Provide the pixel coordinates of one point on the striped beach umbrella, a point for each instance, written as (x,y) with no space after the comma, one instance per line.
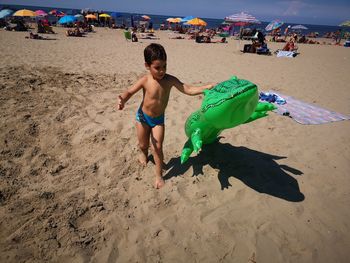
(242,19)
(274,25)
(57,13)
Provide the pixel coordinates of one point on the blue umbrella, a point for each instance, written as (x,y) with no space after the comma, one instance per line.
(274,25)
(67,20)
(187,18)
(116,14)
(5,12)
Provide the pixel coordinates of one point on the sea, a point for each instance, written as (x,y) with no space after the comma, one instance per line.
(157,20)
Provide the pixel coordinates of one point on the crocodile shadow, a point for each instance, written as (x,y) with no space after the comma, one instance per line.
(258,170)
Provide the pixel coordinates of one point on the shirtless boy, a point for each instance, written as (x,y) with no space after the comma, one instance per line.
(156,87)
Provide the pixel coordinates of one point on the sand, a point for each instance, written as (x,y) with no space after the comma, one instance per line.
(71,189)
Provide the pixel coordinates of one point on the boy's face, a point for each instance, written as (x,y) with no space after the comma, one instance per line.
(157,69)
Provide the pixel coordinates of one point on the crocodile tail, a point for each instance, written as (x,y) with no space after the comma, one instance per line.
(196,139)
(186,151)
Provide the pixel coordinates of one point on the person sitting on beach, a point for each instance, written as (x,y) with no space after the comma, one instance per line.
(133,35)
(74,33)
(156,87)
(37,36)
(34,36)
(40,27)
(290,45)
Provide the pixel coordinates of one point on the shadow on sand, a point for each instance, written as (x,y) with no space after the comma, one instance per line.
(257,170)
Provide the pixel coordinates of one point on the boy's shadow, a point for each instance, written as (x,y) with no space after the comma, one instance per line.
(256,169)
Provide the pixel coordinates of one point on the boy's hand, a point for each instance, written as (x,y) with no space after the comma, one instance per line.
(212,85)
(121,103)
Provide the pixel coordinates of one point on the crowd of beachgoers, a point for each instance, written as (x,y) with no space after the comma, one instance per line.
(90,19)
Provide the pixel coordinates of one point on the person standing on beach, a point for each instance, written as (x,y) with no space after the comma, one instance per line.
(156,87)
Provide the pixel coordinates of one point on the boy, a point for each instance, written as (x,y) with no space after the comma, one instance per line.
(156,86)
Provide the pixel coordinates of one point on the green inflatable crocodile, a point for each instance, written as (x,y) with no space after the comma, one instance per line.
(228,104)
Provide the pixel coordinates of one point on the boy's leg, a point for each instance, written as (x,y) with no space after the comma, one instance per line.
(143,135)
(157,138)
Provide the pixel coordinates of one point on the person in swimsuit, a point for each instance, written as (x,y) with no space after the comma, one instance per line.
(156,87)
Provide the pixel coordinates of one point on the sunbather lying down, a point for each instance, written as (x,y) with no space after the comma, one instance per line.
(74,33)
(148,36)
(176,37)
(36,36)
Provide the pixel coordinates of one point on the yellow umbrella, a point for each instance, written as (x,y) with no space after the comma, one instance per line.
(197,22)
(91,16)
(24,12)
(105,15)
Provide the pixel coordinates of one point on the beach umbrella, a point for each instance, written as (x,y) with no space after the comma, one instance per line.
(300,27)
(40,13)
(187,18)
(274,25)
(24,12)
(67,19)
(5,12)
(56,12)
(116,14)
(91,16)
(345,23)
(174,20)
(146,17)
(79,17)
(105,15)
(242,19)
(196,22)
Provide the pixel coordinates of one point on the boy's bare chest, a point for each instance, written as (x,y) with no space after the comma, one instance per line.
(157,92)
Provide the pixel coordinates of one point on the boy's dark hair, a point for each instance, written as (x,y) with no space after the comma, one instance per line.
(154,52)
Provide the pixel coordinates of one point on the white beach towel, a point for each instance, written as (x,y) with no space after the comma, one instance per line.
(287,54)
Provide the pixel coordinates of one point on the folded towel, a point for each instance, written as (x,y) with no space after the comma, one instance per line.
(287,54)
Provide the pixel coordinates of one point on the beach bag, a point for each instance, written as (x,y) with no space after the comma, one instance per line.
(263,50)
(247,48)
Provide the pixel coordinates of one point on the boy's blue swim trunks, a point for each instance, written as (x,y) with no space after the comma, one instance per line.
(150,121)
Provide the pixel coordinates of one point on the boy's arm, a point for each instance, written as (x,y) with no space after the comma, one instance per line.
(190,90)
(126,95)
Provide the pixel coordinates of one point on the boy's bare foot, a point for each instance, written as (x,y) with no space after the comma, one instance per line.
(159,182)
(143,159)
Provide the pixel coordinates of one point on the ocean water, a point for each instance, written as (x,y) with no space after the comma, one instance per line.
(157,20)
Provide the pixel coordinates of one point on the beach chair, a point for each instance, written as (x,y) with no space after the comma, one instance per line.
(127,35)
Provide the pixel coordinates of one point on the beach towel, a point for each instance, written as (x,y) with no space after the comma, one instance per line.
(286,54)
(305,113)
